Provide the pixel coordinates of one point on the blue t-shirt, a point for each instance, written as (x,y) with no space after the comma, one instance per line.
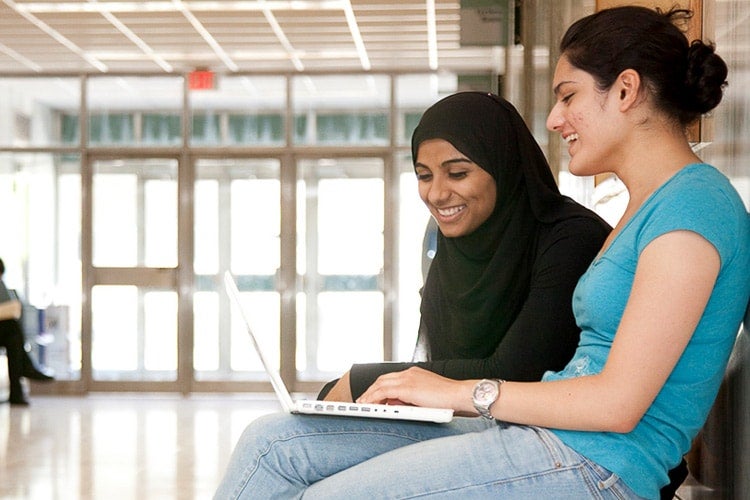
(698,198)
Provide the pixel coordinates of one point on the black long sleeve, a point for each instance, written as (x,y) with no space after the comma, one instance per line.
(544,335)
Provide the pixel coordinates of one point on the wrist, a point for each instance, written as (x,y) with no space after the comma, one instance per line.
(465,404)
(485,394)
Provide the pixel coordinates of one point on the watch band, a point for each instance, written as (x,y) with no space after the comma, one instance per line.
(500,382)
(484,408)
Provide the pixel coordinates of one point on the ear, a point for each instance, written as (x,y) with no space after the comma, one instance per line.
(627,87)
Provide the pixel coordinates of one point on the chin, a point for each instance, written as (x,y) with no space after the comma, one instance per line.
(579,170)
(451,232)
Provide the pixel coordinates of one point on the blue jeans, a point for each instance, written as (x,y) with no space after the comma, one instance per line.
(283,456)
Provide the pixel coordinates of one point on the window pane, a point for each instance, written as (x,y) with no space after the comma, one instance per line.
(255,226)
(206,130)
(134,333)
(241,110)
(237,216)
(163,129)
(115,329)
(263,313)
(414,94)
(129,111)
(237,228)
(411,120)
(350,329)
(33,111)
(206,327)
(160,331)
(342,109)
(114,128)
(366,128)
(70,131)
(340,258)
(260,129)
(207,226)
(135,213)
(41,195)
(413,261)
(350,226)
(223,348)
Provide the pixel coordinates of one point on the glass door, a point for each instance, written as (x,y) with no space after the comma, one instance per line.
(237,228)
(340,265)
(133,274)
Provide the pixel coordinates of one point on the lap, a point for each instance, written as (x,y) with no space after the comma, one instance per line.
(350,436)
(498,462)
(291,456)
(282,452)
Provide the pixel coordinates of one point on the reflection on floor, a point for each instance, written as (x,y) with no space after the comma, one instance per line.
(121,446)
(126,446)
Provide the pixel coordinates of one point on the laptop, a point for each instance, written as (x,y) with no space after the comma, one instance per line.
(314,407)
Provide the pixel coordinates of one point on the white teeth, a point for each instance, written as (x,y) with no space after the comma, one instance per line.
(571,137)
(447,212)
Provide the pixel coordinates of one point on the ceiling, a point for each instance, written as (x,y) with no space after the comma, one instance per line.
(174,36)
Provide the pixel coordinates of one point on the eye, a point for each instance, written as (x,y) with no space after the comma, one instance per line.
(567,98)
(458,175)
(424,176)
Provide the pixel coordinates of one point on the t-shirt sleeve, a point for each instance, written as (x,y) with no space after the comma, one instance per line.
(706,210)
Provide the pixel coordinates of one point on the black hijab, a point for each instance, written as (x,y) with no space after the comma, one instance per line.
(477,283)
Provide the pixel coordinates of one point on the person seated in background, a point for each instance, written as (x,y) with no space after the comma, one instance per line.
(12,338)
(659,309)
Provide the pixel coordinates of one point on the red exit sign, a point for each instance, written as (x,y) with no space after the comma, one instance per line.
(201,80)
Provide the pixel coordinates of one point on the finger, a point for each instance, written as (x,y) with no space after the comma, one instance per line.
(396,402)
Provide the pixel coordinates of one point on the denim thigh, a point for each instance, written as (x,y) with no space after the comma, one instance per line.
(503,461)
(280,455)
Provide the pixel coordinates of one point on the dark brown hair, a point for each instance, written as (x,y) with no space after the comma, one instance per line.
(685,79)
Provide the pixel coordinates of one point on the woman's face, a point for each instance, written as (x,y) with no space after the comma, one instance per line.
(458,192)
(585,117)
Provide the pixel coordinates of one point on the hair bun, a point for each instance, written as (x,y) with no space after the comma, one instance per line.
(705,79)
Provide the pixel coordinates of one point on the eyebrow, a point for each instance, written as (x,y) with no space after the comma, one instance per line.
(557,88)
(456,160)
(446,163)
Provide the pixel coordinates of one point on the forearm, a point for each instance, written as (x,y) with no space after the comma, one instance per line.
(566,404)
(573,404)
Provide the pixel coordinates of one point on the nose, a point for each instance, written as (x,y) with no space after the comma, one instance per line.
(554,119)
(439,191)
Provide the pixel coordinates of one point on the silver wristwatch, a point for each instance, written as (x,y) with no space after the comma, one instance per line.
(486,392)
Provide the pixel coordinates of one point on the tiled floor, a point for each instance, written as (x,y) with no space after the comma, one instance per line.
(120,446)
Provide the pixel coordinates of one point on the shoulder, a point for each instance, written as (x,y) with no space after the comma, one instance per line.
(699,199)
(576,230)
(700,187)
(570,244)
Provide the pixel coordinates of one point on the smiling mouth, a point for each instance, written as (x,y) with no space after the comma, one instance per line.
(449,212)
(570,138)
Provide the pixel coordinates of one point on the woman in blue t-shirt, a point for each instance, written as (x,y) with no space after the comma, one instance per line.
(659,311)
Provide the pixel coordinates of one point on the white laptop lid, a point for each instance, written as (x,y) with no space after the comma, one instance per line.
(394,412)
(285,398)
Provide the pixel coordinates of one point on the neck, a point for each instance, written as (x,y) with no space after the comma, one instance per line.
(650,161)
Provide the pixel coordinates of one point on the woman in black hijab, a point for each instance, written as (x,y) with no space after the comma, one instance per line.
(496,301)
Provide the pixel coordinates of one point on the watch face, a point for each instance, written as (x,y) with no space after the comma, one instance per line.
(485,392)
